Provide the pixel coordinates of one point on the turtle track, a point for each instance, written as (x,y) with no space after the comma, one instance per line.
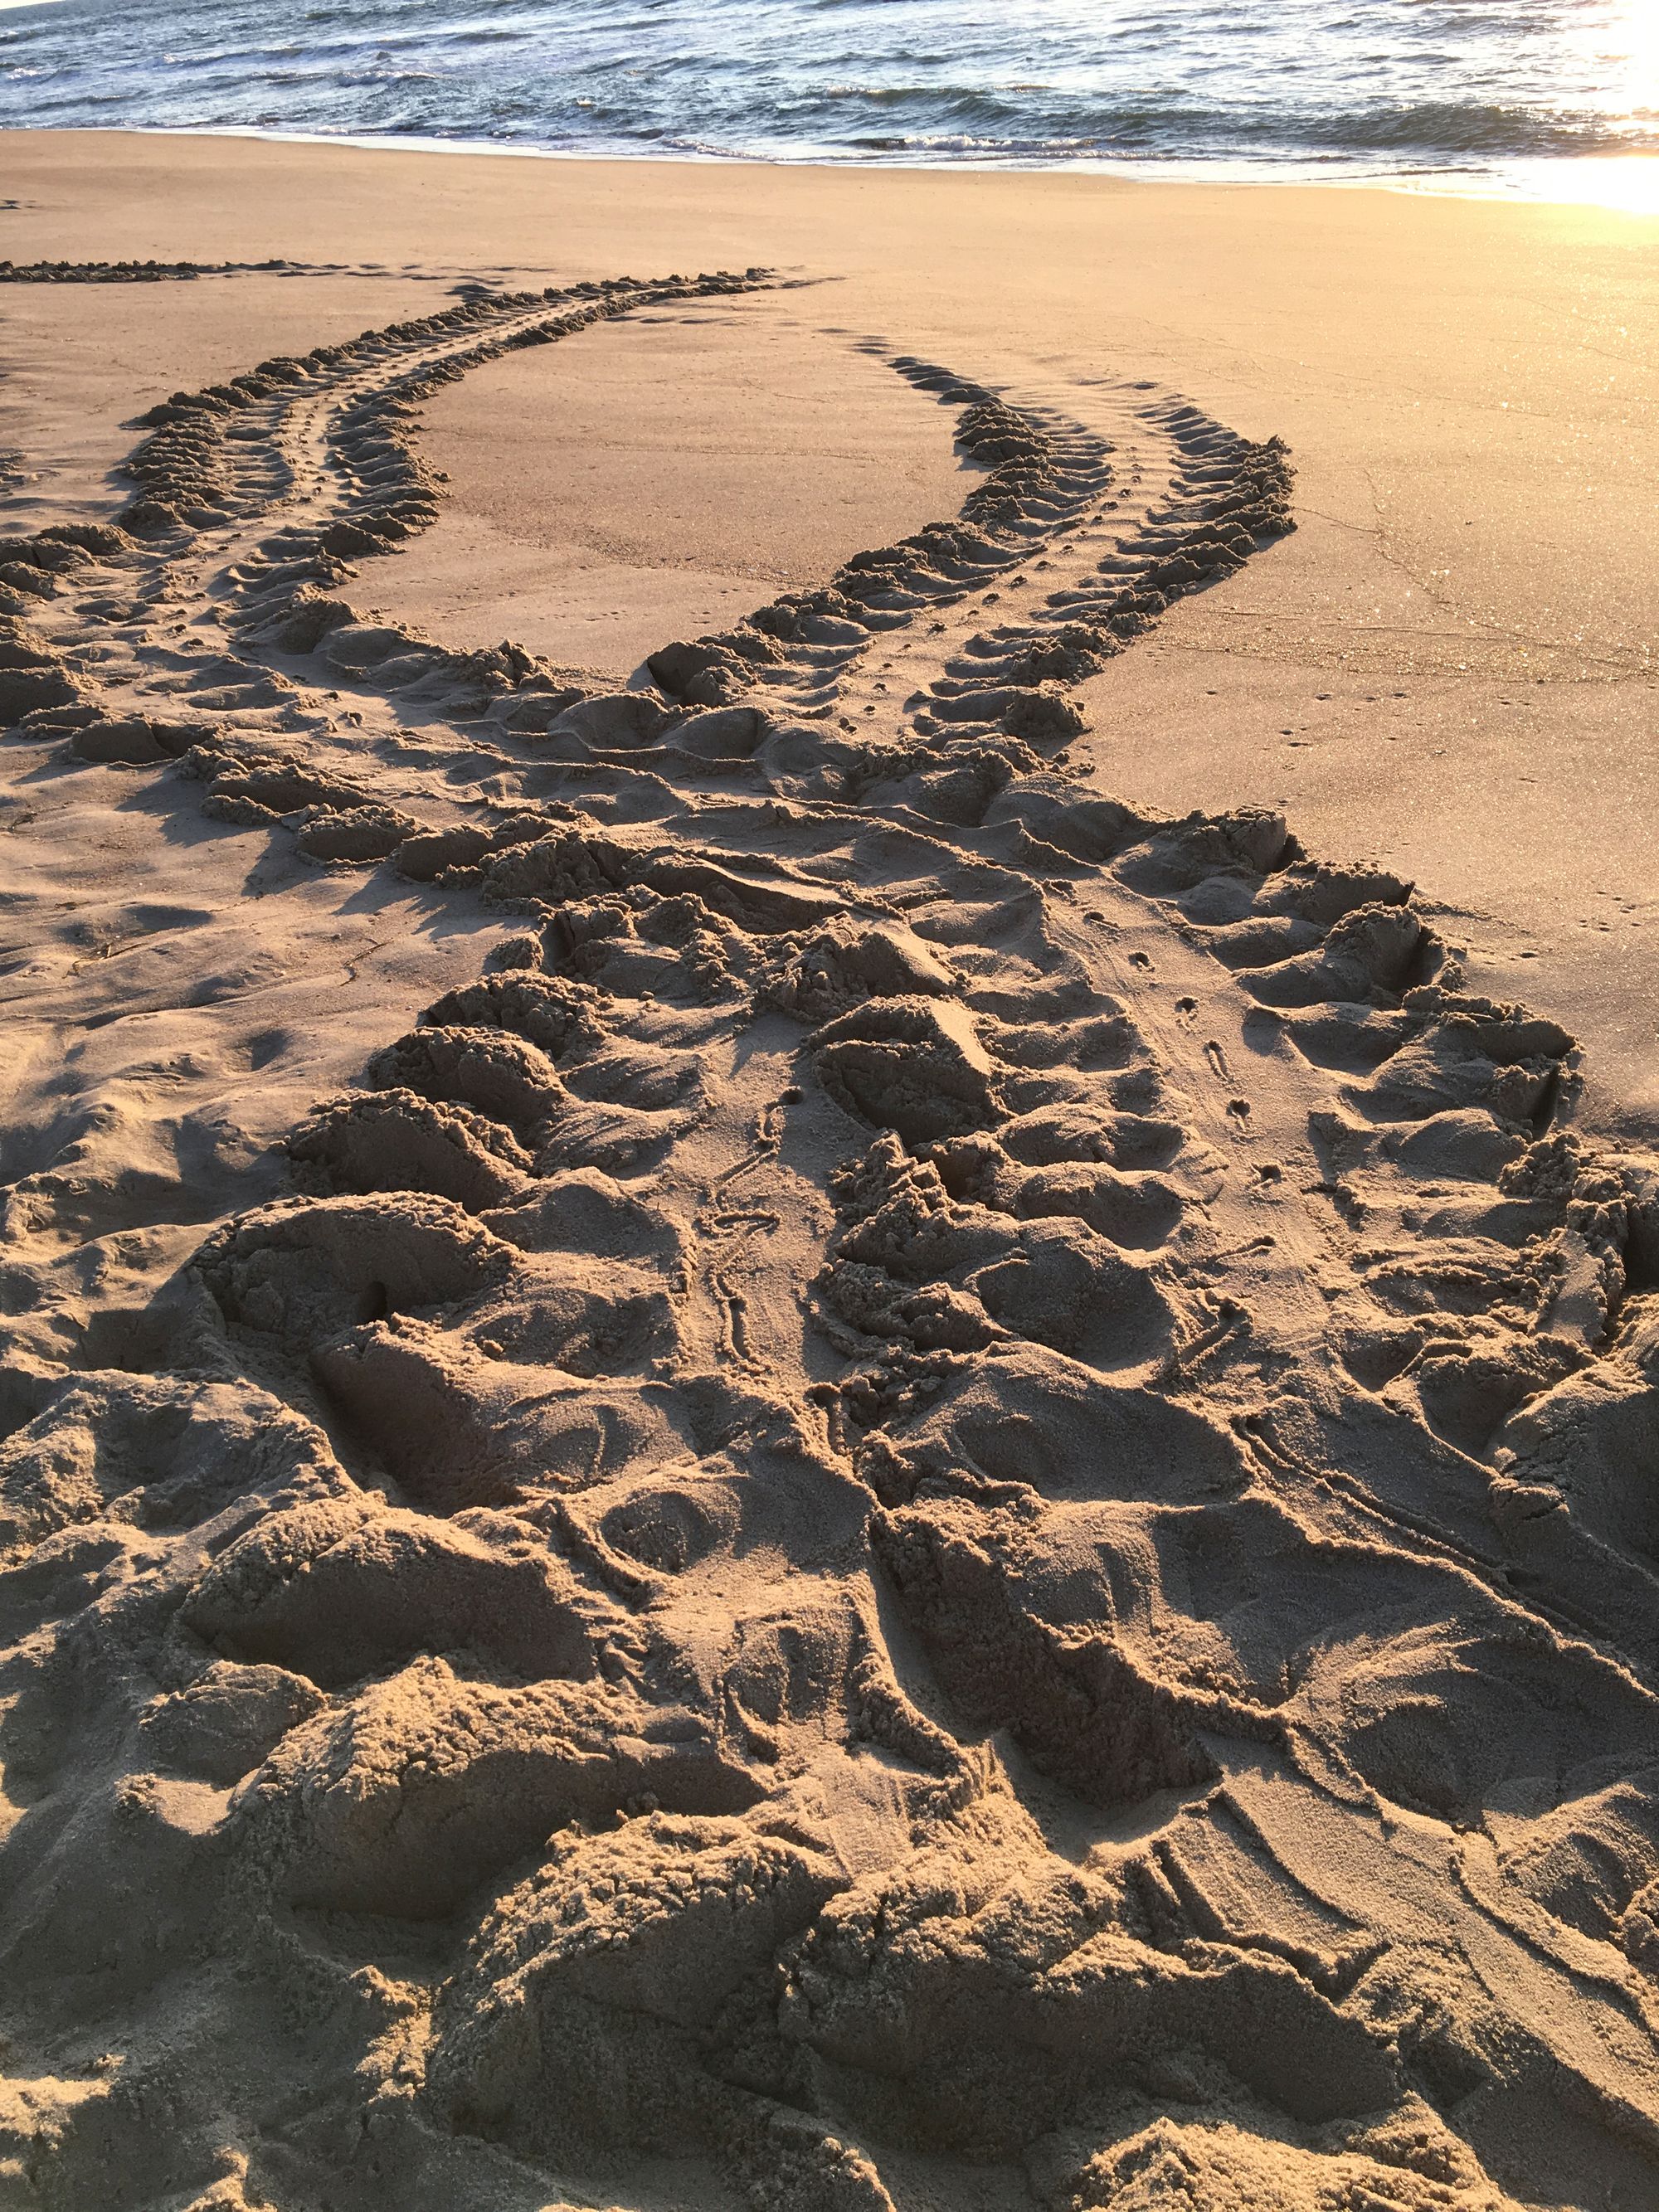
(952,1483)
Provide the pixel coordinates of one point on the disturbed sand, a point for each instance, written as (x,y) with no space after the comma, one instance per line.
(790,1419)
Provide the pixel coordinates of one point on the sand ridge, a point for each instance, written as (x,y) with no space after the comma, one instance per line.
(941,1498)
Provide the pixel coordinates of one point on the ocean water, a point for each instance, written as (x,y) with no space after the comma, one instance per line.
(1550,95)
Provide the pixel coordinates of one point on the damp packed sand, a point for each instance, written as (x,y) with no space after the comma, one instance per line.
(831,1248)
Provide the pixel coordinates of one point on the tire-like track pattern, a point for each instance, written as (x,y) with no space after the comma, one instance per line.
(951,1493)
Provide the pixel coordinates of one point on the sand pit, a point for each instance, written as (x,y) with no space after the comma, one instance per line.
(757,1453)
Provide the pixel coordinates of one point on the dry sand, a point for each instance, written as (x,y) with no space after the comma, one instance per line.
(662,480)
(839,1422)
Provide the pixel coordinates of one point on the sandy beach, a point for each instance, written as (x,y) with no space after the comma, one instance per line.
(831,1228)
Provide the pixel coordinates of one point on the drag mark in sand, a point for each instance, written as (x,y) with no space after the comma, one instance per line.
(184,272)
(951,1489)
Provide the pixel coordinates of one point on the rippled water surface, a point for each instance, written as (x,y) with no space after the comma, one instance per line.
(1504,90)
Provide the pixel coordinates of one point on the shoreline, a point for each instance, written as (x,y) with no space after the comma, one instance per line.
(1434,183)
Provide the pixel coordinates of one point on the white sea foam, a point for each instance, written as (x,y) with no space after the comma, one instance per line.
(1484,91)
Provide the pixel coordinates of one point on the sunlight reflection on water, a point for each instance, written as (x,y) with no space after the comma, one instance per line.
(1552,98)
